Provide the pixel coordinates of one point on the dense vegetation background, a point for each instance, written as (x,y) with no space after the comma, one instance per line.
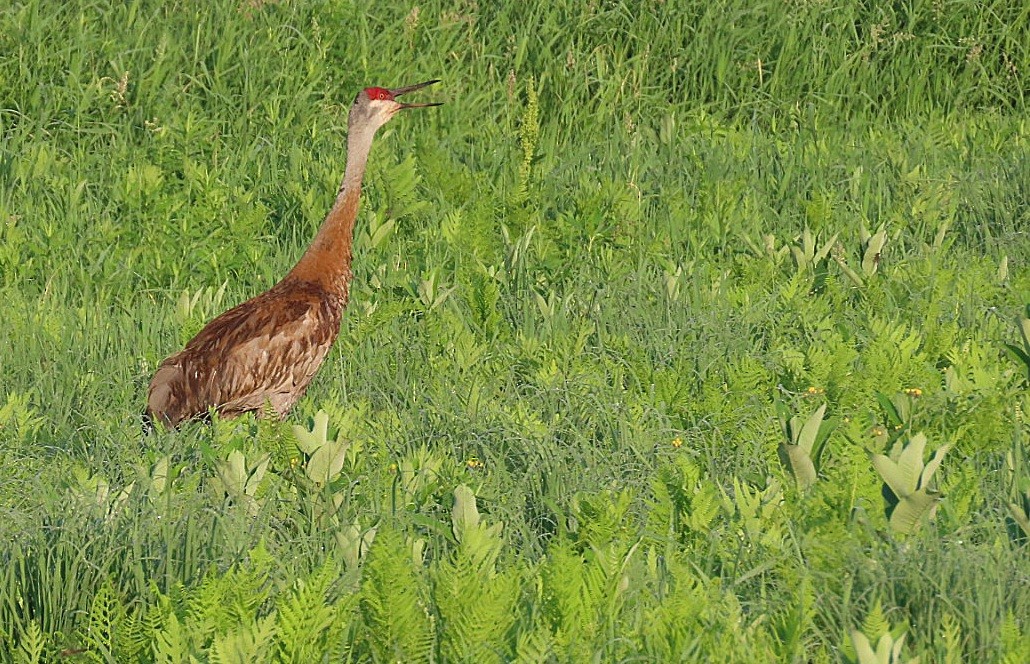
(654,326)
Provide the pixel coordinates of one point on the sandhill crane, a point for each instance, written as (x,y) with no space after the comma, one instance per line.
(264,352)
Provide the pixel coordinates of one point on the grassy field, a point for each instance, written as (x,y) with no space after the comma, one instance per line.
(683,331)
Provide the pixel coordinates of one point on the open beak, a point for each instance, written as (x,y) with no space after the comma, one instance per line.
(397,92)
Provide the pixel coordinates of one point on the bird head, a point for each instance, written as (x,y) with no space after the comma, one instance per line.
(373,107)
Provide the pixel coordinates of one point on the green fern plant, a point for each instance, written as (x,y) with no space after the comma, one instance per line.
(685,504)
(106,617)
(951,635)
(19,415)
(586,578)
(482,295)
(534,644)
(876,628)
(249,641)
(475,600)
(173,642)
(907,482)
(894,350)
(220,618)
(402,182)
(234,597)
(1015,643)
(304,616)
(393,603)
(673,628)
(573,594)
(756,512)
(32,645)
(694,618)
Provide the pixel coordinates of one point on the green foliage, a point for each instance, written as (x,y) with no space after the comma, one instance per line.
(325,458)
(888,650)
(239,480)
(595,296)
(952,637)
(529,136)
(306,616)
(18,416)
(1022,351)
(31,645)
(872,250)
(805,444)
(808,255)
(1014,642)
(910,499)
(685,503)
(875,628)
(394,603)
(475,600)
(1019,487)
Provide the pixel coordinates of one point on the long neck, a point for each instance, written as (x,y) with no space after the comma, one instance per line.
(327,261)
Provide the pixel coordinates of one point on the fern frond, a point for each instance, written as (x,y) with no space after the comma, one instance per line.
(671,629)
(303,616)
(246,643)
(1015,645)
(476,604)
(399,626)
(952,636)
(32,644)
(173,644)
(875,624)
(105,617)
(573,589)
(534,646)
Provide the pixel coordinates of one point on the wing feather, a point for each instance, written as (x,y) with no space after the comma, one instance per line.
(265,350)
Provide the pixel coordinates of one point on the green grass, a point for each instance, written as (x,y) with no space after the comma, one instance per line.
(574,293)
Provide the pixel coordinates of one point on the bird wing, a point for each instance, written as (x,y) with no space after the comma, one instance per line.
(264,351)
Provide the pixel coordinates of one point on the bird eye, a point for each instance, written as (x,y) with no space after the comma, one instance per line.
(378,94)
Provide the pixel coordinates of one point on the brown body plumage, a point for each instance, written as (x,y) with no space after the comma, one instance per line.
(264,352)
